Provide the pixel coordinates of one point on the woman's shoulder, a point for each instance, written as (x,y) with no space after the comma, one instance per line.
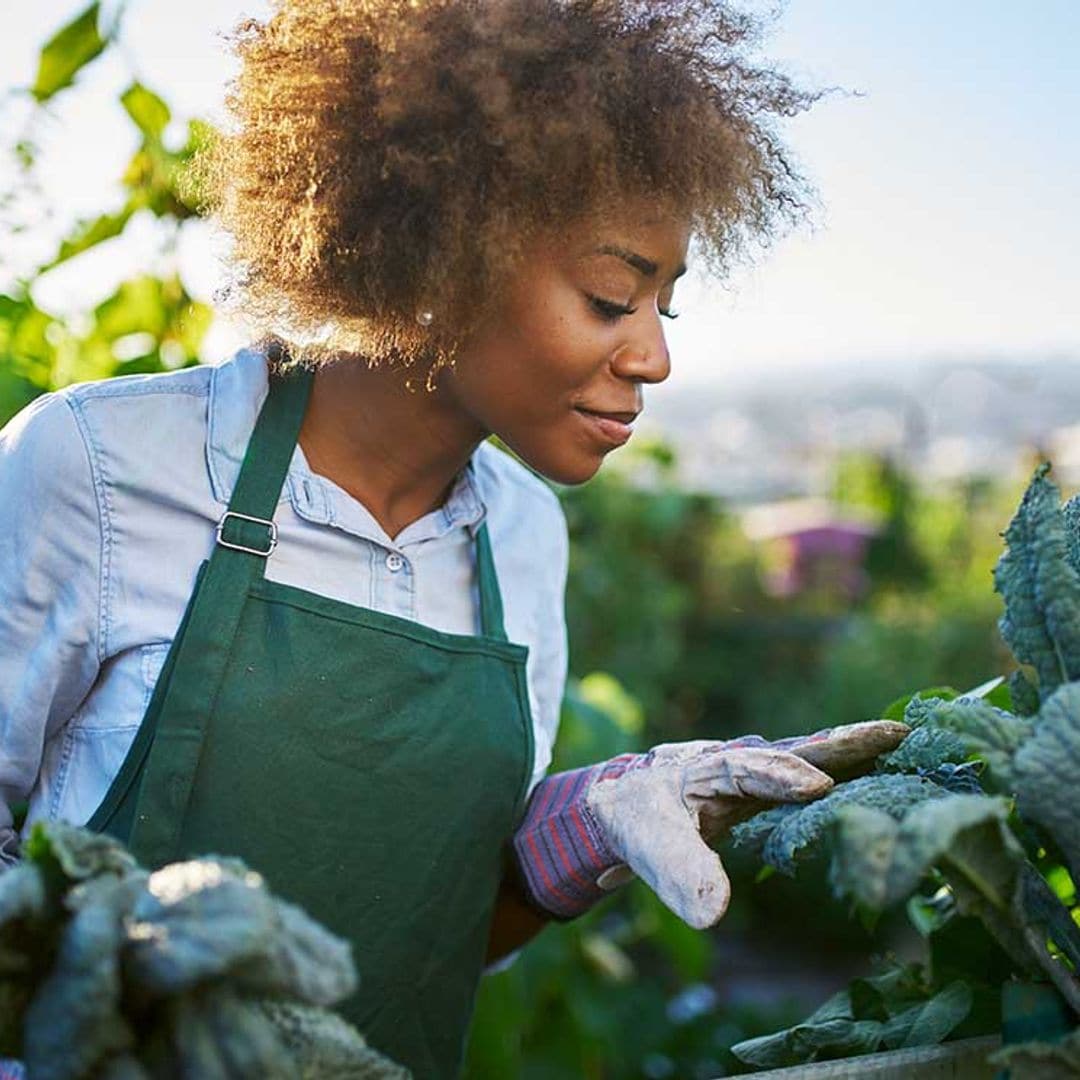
(152,417)
(136,442)
(191,382)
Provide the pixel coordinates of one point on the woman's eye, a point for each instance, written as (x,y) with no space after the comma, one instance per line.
(608,309)
(669,314)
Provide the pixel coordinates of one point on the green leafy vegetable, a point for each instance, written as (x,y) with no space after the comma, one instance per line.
(322,1044)
(897,710)
(929,1022)
(1024,696)
(1047,769)
(989,733)
(799,828)
(925,748)
(1041,588)
(80,853)
(1071,513)
(888,1011)
(196,921)
(75,1019)
(978,800)
(214,1033)
(194,972)
(300,961)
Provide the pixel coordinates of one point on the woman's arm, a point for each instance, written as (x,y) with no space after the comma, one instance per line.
(51,546)
(516,921)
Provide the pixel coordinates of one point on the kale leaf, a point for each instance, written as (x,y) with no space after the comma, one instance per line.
(194,972)
(1040,585)
(1047,768)
(798,828)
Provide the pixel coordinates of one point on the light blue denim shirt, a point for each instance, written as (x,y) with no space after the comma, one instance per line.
(109,497)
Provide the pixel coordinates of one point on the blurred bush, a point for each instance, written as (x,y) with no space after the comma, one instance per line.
(149,323)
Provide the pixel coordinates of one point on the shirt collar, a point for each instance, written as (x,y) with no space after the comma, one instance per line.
(238,388)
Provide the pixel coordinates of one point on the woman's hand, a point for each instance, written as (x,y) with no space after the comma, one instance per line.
(650,814)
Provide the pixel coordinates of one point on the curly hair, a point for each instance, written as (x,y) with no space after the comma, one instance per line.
(389,156)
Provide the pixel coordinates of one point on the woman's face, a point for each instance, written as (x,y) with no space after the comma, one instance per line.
(557,372)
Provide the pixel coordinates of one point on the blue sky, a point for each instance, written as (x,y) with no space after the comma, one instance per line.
(948,223)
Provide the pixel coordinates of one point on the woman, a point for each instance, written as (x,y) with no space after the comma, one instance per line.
(295,607)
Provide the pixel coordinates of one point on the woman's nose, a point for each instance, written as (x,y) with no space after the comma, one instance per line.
(645,357)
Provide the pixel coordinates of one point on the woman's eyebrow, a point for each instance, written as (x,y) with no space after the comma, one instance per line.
(638,262)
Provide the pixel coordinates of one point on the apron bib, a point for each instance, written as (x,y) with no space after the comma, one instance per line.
(371,768)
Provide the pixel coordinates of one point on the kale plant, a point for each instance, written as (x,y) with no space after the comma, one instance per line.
(192,972)
(973,821)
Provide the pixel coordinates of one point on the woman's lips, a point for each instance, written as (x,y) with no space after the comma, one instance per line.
(614,428)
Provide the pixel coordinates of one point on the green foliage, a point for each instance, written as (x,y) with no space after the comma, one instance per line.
(877,484)
(1023,696)
(68,51)
(796,829)
(889,1011)
(656,539)
(897,710)
(924,749)
(988,733)
(150,114)
(961,834)
(598,721)
(1046,768)
(887,836)
(149,323)
(1041,588)
(192,971)
(322,1044)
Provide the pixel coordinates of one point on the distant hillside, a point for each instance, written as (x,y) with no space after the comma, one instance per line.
(750,436)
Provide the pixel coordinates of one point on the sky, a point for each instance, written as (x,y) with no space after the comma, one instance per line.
(946,179)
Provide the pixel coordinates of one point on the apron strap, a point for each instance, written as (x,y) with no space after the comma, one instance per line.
(491,606)
(202,650)
(247,533)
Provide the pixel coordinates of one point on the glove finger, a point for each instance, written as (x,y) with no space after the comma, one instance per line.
(754,772)
(843,750)
(649,826)
(687,876)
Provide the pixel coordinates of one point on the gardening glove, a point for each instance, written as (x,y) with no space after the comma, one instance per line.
(589,830)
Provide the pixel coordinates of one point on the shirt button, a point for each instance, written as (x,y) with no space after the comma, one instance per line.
(394,562)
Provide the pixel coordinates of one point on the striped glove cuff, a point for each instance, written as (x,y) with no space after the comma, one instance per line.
(560,847)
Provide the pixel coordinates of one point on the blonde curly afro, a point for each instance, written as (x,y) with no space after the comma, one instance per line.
(390,156)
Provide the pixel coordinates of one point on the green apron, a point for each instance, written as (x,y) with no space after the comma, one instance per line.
(372,769)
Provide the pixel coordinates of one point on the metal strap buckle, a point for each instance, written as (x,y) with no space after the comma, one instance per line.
(271,525)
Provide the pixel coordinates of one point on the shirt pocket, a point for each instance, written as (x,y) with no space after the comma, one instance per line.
(99,736)
(123,690)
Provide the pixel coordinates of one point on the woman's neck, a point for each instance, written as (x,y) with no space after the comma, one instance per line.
(395,450)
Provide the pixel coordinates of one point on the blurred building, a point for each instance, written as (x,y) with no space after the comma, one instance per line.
(811,545)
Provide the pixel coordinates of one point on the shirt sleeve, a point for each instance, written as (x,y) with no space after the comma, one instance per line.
(551,662)
(51,556)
